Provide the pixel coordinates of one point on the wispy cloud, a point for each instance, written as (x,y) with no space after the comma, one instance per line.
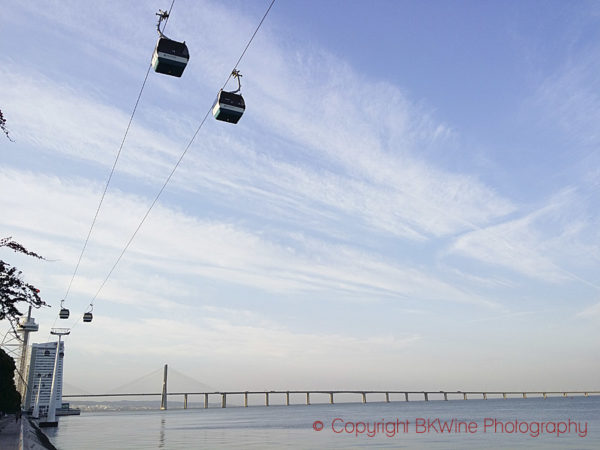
(591,312)
(184,246)
(542,244)
(326,193)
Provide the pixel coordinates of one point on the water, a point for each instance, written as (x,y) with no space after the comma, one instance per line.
(277,427)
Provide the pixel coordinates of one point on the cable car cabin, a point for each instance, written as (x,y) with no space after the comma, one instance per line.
(228,107)
(64,313)
(170,57)
(87,317)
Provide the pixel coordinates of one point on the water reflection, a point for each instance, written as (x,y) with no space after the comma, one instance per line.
(161,439)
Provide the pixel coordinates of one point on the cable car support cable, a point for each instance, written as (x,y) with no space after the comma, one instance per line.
(234,73)
(112,171)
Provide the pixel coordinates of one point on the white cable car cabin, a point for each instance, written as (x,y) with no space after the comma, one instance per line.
(64,312)
(170,57)
(87,316)
(229,106)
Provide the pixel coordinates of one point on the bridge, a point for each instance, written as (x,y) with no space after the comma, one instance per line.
(362,395)
(268,396)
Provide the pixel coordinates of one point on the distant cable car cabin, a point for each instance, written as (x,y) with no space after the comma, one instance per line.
(87,316)
(170,57)
(230,106)
(64,312)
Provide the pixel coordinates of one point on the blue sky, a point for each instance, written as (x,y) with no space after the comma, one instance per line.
(410,200)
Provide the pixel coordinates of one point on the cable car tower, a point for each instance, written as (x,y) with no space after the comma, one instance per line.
(16,344)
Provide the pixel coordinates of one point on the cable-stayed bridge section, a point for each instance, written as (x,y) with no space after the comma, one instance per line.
(289,397)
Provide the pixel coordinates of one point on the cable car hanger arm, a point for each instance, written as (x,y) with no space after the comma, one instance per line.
(237,75)
(162,15)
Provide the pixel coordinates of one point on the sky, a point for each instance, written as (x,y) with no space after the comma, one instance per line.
(410,201)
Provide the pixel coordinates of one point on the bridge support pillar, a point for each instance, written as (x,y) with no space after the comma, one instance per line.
(426,396)
(308,398)
(184,401)
(223,400)
(545,396)
(287,399)
(464,395)
(504,395)
(406,396)
(266,399)
(364,397)
(205,401)
(331,398)
(524,394)
(387,397)
(246,399)
(446,396)
(585,394)
(485,396)
(163,398)
(564,394)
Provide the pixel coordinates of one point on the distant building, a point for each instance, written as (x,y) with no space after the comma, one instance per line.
(41,366)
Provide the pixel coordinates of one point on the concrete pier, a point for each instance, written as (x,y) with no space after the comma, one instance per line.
(205,401)
(364,397)
(266,399)
(464,395)
(524,394)
(331,398)
(446,396)
(308,398)
(426,396)
(246,399)
(484,396)
(406,396)
(287,398)
(545,396)
(387,397)
(504,395)
(185,401)
(223,400)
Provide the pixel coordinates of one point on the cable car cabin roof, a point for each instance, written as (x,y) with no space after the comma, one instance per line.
(171,47)
(170,57)
(229,107)
(232,99)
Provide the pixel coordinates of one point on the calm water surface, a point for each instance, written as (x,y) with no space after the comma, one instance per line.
(277,427)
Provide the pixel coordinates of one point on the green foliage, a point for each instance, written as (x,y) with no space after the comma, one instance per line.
(3,126)
(10,399)
(13,290)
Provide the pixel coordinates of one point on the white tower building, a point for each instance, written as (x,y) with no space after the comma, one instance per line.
(41,368)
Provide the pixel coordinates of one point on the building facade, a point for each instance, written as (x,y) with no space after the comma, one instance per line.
(41,367)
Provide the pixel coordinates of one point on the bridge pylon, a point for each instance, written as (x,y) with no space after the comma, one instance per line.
(163,399)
